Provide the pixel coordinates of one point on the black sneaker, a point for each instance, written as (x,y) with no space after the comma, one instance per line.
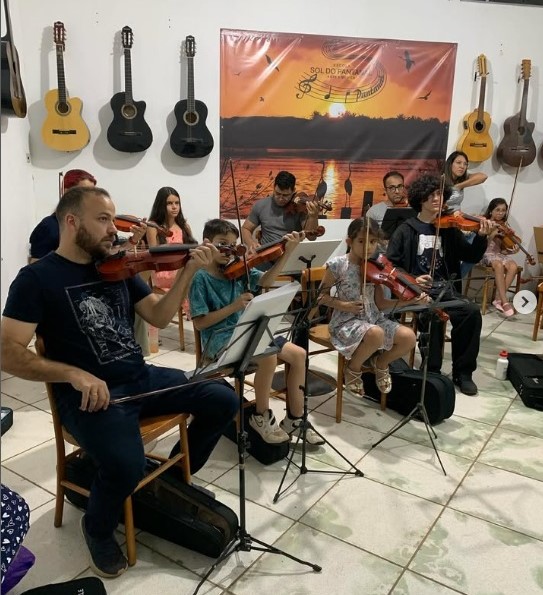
(465,384)
(107,558)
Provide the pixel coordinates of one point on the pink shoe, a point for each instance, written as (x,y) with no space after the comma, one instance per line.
(498,305)
(508,309)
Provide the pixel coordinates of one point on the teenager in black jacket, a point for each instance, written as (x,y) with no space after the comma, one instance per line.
(411,247)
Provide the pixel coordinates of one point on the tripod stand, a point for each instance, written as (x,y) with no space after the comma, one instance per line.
(419,410)
(304,324)
(244,541)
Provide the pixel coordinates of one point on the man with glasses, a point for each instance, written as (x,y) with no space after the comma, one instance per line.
(275,218)
(393,183)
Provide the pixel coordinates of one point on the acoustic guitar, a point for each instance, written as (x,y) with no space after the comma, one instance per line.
(12,91)
(64,128)
(476,142)
(191,138)
(517,147)
(128,132)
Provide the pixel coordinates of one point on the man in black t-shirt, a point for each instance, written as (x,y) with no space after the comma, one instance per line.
(411,247)
(92,356)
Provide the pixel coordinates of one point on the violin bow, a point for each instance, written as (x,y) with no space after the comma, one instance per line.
(239,223)
(438,227)
(366,242)
(60,184)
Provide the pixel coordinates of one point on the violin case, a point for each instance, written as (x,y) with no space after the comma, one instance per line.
(169,508)
(525,372)
(439,396)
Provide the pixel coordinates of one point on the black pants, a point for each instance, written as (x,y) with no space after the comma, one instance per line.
(466,324)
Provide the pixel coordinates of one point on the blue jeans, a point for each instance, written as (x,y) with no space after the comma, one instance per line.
(112,437)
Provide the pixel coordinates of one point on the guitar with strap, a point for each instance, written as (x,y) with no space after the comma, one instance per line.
(128,132)
(476,142)
(517,147)
(64,128)
(191,137)
(12,91)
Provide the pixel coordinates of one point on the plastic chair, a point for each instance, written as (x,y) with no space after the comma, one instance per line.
(150,428)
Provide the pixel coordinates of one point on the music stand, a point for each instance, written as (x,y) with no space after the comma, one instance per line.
(394,217)
(251,339)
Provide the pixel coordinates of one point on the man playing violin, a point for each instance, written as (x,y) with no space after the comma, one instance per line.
(92,358)
(275,218)
(435,259)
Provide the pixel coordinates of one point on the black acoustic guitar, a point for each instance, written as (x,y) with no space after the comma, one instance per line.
(12,91)
(517,147)
(191,138)
(128,132)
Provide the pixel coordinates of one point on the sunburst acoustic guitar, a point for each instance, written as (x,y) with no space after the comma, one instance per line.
(517,147)
(12,91)
(64,129)
(191,138)
(476,142)
(128,132)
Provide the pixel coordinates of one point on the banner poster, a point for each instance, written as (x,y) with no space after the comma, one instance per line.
(337,112)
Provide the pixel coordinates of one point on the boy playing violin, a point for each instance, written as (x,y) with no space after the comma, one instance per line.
(216,304)
(435,259)
(358,328)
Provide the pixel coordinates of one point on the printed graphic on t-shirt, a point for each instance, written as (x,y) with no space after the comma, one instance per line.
(425,251)
(102,312)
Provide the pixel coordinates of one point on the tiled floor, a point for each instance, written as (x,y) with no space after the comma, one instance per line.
(404,528)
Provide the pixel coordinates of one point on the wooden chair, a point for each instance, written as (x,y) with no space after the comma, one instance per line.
(179,321)
(150,428)
(538,322)
(488,282)
(319,334)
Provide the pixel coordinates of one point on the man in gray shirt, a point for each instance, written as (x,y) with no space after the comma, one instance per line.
(393,183)
(275,217)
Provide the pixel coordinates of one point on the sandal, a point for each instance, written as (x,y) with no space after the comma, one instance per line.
(508,309)
(498,305)
(353,381)
(382,376)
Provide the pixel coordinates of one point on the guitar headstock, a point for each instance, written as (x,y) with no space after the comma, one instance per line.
(526,69)
(127,37)
(190,46)
(482,67)
(59,34)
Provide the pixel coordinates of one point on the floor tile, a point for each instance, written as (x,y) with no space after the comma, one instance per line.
(348,512)
(11,402)
(24,390)
(523,419)
(478,557)
(485,407)
(30,428)
(361,572)
(515,452)
(413,584)
(38,464)
(34,495)
(503,498)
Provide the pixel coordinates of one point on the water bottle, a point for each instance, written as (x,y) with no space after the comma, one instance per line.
(501,366)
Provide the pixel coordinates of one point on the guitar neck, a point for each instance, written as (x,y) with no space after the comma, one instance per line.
(190,91)
(481,107)
(61,80)
(524,104)
(128,77)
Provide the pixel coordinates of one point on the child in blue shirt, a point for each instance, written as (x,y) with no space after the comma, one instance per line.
(216,304)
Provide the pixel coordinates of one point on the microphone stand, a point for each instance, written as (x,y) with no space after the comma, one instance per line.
(419,410)
(304,324)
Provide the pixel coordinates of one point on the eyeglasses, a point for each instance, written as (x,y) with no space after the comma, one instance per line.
(225,245)
(397,188)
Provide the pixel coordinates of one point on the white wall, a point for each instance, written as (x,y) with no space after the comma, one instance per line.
(506,34)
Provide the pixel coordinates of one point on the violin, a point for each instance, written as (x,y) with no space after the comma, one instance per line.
(404,286)
(511,241)
(298,204)
(264,253)
(460,221)
(125,222)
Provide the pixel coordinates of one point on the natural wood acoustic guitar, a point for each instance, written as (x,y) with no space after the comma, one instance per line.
(476,142)
(128,132)
(12,91)
(517,147)
(64,128)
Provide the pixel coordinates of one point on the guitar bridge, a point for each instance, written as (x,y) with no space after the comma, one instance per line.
(58,131)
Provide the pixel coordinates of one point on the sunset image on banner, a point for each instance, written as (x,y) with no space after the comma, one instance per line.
(337,112)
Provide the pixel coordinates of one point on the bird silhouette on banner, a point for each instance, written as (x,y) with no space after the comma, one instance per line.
(425,97)
(407,59)
(271,62)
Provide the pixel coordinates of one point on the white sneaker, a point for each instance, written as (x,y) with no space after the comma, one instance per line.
(292,428)
(267,427)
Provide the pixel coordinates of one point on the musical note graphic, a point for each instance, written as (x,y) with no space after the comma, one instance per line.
(305,85)
(327,96)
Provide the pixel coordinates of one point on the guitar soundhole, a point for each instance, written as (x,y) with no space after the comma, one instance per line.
(479,126)
(63,108)
(129,111)
(191,118)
